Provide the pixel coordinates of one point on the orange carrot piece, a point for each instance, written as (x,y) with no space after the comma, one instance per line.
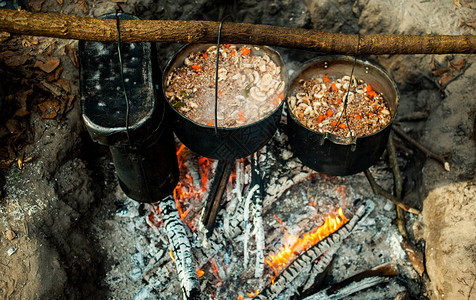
(227,46)
(245,51)
(321,118)
(197,67)
(370,91)
(326,79)
(205,55)
(241,117)
(339,101)
(232,53)
(342,125)
(329,113)
(333,87)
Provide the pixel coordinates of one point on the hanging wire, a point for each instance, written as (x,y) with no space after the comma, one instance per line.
(346,97)
(216,70)
(121,65)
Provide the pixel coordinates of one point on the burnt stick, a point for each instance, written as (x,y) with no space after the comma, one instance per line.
(356,283)
(181,249)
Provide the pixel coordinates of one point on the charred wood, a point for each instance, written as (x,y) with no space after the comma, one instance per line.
(222,173)
(181,249)
(302,262)
(311,270)
(356,283)
(258,215)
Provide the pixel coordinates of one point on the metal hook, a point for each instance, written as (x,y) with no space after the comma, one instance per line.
(119,52)
(346,97)
(216,71)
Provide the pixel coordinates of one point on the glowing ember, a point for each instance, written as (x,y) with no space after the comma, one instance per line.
(172,255)
(254,294)
(200,273)
(294,246)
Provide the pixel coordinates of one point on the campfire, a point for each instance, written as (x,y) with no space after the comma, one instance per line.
(257,248)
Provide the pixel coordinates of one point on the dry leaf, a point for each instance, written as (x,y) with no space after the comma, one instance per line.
(446,78)
(55,75)
(13,126)
(49,66)
(70,101)
(13,59)
(64,84)
(72,55)
(55,90)
(415,256)
(21,100)
(36,5)
(49,109)
(459,64)
(441,71)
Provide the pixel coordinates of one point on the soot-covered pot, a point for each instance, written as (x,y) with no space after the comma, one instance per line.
(226,143)
(329,153)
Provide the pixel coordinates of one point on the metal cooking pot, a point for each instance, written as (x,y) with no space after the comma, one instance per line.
(331,154)
(144,152)
(230,143)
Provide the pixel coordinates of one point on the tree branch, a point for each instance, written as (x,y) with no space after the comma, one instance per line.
(166,31)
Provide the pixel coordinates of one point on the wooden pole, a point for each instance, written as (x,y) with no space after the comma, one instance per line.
(71,27)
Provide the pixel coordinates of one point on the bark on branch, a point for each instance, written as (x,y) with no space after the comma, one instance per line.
(80,28)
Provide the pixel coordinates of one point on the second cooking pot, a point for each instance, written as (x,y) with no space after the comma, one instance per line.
(331,154)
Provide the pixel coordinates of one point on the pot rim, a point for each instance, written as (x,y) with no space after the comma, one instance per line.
(190,47)
(359,62)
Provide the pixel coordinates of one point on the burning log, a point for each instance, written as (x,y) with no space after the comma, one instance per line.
(162,31)
(308,274)
(258,216)
(222,173)
(181,249)
(334,240)
(356,283)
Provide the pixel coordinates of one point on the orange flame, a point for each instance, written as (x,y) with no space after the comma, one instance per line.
(293,245)
(254,294)
(200,273)
(214,269)
(172,255)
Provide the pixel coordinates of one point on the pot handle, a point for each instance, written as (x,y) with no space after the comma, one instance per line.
(216,70)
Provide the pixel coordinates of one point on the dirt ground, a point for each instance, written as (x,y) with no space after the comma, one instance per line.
(57,209)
